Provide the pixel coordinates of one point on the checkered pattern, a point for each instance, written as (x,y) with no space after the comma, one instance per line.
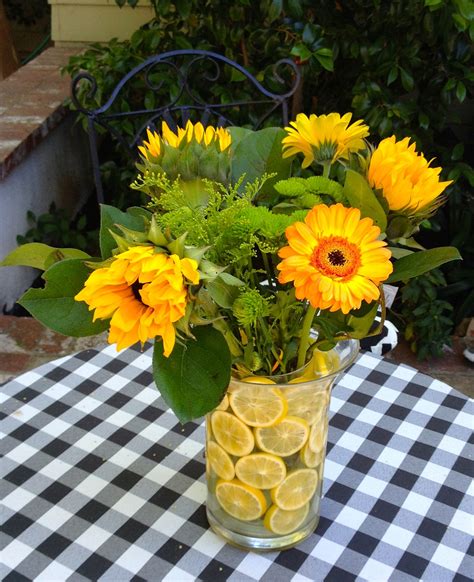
(102,482)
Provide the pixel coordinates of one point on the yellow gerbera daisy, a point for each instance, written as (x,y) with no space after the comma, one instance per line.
(405,177)
(143,293)
(334,258)
(324,138)
(154,147)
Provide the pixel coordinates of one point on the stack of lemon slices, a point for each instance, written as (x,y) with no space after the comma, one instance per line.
(264,452)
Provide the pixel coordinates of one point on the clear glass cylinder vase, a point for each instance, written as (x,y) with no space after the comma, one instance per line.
(265,453)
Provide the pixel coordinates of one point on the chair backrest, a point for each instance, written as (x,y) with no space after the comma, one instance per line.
(180,85)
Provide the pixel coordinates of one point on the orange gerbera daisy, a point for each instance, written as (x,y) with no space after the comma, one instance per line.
(335,258)
(324,138)
(143,293)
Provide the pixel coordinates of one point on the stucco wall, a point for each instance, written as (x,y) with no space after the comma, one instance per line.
(58,169)
(78,21)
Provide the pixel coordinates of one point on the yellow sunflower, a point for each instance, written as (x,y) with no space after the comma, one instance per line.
(405,177)
(156,144)
(334,258)
(153,147)
(143,293)
(324,138)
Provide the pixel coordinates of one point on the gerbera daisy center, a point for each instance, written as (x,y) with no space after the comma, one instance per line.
(335,256)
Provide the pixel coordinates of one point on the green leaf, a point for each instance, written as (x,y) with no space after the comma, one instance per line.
(325,58)
(460,91)
(55,306)
(29,255)
(422,262)
(184,8)
(398,253)
(361,320)
(360,195)
(407,79)
(301,51)
(224,293)
(194,378)
(237,134)
(62,254)
(458,152)
(40,256)
(423,120)
(109,216)
(392,75)
(258,153)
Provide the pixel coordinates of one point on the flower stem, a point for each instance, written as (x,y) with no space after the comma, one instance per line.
(304,342)
(326,169)
(268,270)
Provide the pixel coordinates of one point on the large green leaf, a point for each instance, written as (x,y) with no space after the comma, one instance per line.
(55,307)
(258,153)
(361,320)
(224,289)
(422,262)
(360,195)
(237,134)
(109,216)
(40,256)
(194,378)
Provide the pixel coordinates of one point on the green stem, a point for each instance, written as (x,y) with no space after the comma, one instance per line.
(234,347)
(268,337)
(326,169)
(268,269)
(304,342)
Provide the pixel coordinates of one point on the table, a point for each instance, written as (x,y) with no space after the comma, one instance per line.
(102,482)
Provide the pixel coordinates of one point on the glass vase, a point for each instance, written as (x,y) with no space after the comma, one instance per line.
(265,453)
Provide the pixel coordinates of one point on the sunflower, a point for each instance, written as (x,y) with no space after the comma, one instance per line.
(324,138)
(405,177)
(143,293)
(156,145)
(153,147)
(334,258)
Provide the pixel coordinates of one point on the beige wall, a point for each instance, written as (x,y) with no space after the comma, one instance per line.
(58,170)
(86,21)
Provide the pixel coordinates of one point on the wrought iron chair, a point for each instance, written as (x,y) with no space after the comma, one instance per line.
(161,88)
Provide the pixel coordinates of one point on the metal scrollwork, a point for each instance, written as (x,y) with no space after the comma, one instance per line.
(189,73)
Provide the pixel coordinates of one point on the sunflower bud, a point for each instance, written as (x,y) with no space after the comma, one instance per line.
(406,180)
(191,153)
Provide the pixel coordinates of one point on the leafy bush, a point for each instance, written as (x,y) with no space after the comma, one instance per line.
(425,318)
(56,229)
(404,67)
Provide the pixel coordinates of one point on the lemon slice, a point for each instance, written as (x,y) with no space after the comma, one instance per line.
(283,439)
(305,402)
(317,436)
(220,461)
(309,457)
(296,490)
(261,470)
(240,500)
(232,434)
(258,380)
(224,403)
(284,522)
(324,363)
(258,406)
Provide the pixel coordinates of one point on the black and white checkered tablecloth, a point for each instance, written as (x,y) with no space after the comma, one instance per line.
(102,483)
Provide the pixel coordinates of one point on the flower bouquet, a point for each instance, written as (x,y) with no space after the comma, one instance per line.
(255,263)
